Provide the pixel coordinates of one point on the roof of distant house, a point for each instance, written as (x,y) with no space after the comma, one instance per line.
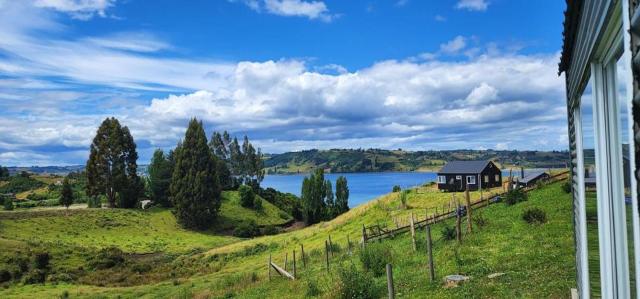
(454,167)
(531,176)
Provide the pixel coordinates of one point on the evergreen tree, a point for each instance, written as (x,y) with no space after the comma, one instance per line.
(160,172)
(4,173)
(313,197)
(331,211)
(342,195)
(111,168)
(66,196)
(195,190)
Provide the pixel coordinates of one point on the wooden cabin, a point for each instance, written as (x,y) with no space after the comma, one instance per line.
(455,176)
(532,178)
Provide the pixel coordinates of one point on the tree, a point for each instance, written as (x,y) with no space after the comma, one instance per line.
(342,195)
(4,173)
(331,211)
(111,168)
(313,197)
(66,195)
(247,196)
(245,163)
(160,172)
(195,190)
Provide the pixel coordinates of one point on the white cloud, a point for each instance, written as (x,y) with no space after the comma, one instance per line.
(79,9)
(454,46)
(474,5)
(482,94)
(440,18)
(313,10)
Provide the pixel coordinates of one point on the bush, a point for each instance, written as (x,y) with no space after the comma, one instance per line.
(566,187)
(35,276)
(94,202)
(448,233)
(8,205)
(312,289)
(403,198)
(396,188)
(534,216)
(247,197)
(269,230)
(246,229)
(479,220)
(356,284)
(515,196)
(107,258)
(37,197)
(41,260)
(257,204)
(375,258)
(5,275)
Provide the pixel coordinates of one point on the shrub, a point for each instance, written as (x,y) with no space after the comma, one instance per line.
(396,188)
(5,275)
(247,197)
(65,294)
(356,284)
(448,233)
(37,197)
(257,204)
(8,205)
(479,220)
(94,202)
(41,260)
(403,198)
(246,229)
(534,216)
(375,258)
(566,187)
(108,258)
(269,230)
(515,196)
(35,276)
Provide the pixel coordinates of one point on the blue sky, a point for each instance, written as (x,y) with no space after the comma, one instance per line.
(292,74)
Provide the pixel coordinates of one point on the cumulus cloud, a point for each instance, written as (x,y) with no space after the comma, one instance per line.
(79,9)
(313,10)
(454,45)
(473,5)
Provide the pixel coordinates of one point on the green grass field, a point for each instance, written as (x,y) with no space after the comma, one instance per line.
(538,260)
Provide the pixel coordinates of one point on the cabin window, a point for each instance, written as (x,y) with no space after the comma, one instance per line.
(471,179)
(442,179)
(486,179)
(458,177)
(497,177)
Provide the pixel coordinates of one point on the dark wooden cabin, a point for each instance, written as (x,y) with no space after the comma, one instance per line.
(456,175)
(532,178)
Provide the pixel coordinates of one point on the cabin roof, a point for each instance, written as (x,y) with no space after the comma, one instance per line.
(571,22)
(531,176)
(453,167)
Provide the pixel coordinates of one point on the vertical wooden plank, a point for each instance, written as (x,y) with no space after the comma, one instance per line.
(364,236)
(304,259)
(326,253)
(432,272)
(468,201)
(413,233)
(294,263)
(286,257)
(390,281)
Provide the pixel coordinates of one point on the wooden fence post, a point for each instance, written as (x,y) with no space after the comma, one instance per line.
(304,259)
(286,257)
(294,263)
(326,253)
(458,229)
(468,200)
(413,233)
(432,271)
(364,236)
(269,266)
(390,281)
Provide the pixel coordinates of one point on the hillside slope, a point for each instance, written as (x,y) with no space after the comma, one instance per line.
(372,160)
(538,260)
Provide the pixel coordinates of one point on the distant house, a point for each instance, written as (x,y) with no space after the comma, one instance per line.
(532,178)
(456,175)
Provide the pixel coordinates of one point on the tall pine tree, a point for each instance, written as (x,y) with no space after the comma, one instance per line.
(160,172)
(66,196)
(112,166)
(342,196)
(195,190)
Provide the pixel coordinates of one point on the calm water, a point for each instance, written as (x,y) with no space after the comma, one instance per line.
(362,186)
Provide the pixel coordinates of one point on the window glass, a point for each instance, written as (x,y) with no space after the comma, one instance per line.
(590,196)
(624,164)
(471,179)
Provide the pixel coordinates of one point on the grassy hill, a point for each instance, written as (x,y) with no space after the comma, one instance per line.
(538,259)
(351,160)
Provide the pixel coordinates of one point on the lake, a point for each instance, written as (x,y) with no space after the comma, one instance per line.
(363,187)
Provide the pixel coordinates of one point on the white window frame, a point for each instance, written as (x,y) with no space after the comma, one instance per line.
(471,179)
(497,178)
(458,177)
(442,179)
(486,178)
